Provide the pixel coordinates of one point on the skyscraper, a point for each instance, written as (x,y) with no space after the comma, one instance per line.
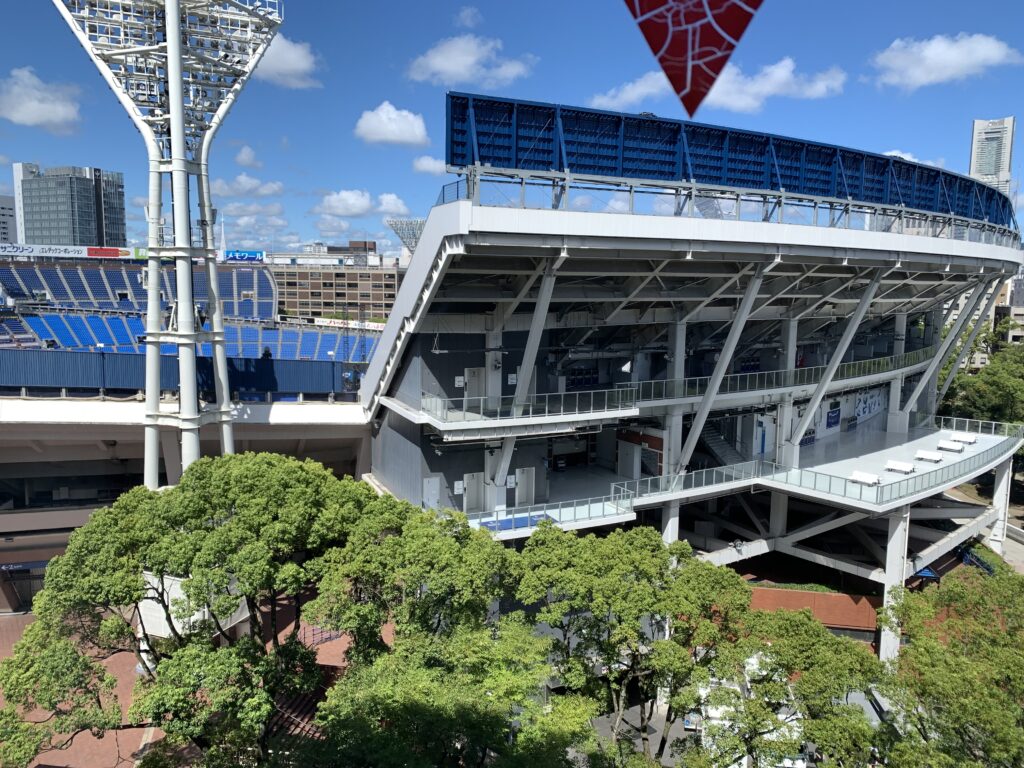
(8,221)
(69,206)
(991,152)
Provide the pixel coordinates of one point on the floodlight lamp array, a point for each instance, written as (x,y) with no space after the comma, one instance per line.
(222,41)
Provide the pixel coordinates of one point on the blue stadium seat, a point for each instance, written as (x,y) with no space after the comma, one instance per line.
(11,283)
(120,331)
(81,331)
(41,329)
(79,293)
(97,285)
(99,330)
(289,344)
(265,310)
(61,331)
(136,326)
(345,348)
(271,340)
(30,278)
(328,343)
(250,337)
(246,309)
(307,348)
(55,284)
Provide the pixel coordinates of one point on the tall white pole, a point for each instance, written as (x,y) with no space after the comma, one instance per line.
(220,357)
(151,461)
(188,396)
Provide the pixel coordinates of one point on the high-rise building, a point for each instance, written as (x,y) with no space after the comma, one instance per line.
(8,221)
(68,205)
(992,151)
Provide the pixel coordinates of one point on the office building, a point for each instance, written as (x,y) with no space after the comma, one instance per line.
(992,152)
(8,220)
(68,205)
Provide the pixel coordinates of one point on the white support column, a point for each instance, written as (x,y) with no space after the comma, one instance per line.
(172,456)
(947,343)
(724,360)
(151,460)
(792,446)
(1001,503)
(895,565)
(188,400)
(893,422)
(673,427)
(966,346)
(526,369)
(216,311)
(493,375)
(779,520)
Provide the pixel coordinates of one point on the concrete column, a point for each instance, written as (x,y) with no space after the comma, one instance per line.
(899,334)
(784,449)
(673,428)
(1001,502)
(790,329)
(779,515)
(895,569)
(493,374)
(172,456)
(670,522)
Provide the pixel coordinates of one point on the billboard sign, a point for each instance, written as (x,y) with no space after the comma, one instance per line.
(110,253)
(256,256)
(21,250)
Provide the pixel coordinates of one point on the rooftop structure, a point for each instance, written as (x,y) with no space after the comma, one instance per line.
(69,206)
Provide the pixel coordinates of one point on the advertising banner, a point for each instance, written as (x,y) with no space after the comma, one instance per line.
(15,250)
(255,256)
(110,253)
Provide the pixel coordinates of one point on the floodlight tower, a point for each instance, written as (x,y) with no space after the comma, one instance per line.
(177,67)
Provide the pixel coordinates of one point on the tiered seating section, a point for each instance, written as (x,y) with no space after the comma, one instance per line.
(100,307)
(246,292)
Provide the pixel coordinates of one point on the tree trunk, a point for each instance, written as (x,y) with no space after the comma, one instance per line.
(670,718)
(645,739)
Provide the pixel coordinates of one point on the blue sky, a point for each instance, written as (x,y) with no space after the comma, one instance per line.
(905,75)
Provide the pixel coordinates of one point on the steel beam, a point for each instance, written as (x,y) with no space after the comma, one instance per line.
(895,574)
(965,349)
(944,348)
(724,360)
(540,314)
(837,358)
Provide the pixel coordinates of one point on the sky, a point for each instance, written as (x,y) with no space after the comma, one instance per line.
(343,124)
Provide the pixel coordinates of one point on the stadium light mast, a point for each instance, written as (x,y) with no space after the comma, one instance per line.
(177,67)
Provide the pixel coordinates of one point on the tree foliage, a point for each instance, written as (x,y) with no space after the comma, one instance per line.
(958,685)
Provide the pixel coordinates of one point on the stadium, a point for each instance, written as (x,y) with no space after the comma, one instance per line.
(608,320)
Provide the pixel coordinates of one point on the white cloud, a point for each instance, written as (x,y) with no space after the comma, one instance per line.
(391,204)
(619,203)
(245,185)
(652,85)
(738,92)
(253,209)
(289,64)
(388,125)
(468,17)
(910,157)
(5,160)
(911,64)
(27,100)
(902,155)
(138,201)
(331,226)
(469,59)
(246,158)
(435,166)
(345,202)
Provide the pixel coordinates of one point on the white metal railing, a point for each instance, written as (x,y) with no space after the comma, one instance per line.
(670,389)
(553,404)
(567,512)
(627,396)
(690,200)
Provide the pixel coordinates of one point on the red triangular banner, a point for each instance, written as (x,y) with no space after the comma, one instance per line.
(693,39)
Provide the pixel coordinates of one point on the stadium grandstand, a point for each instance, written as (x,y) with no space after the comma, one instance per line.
(608,320)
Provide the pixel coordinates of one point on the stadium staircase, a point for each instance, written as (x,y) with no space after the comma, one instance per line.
(720,448)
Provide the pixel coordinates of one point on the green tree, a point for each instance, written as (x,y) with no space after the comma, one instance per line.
(957,687)
(237,530)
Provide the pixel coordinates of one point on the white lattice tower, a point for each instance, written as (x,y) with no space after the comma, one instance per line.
(177,67)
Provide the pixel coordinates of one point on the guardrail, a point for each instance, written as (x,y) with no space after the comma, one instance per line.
(686,200)
(560,512)
(690,481)
(626,396)
(553,404)
(668,389)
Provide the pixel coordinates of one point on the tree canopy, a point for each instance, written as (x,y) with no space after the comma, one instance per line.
(465,652)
